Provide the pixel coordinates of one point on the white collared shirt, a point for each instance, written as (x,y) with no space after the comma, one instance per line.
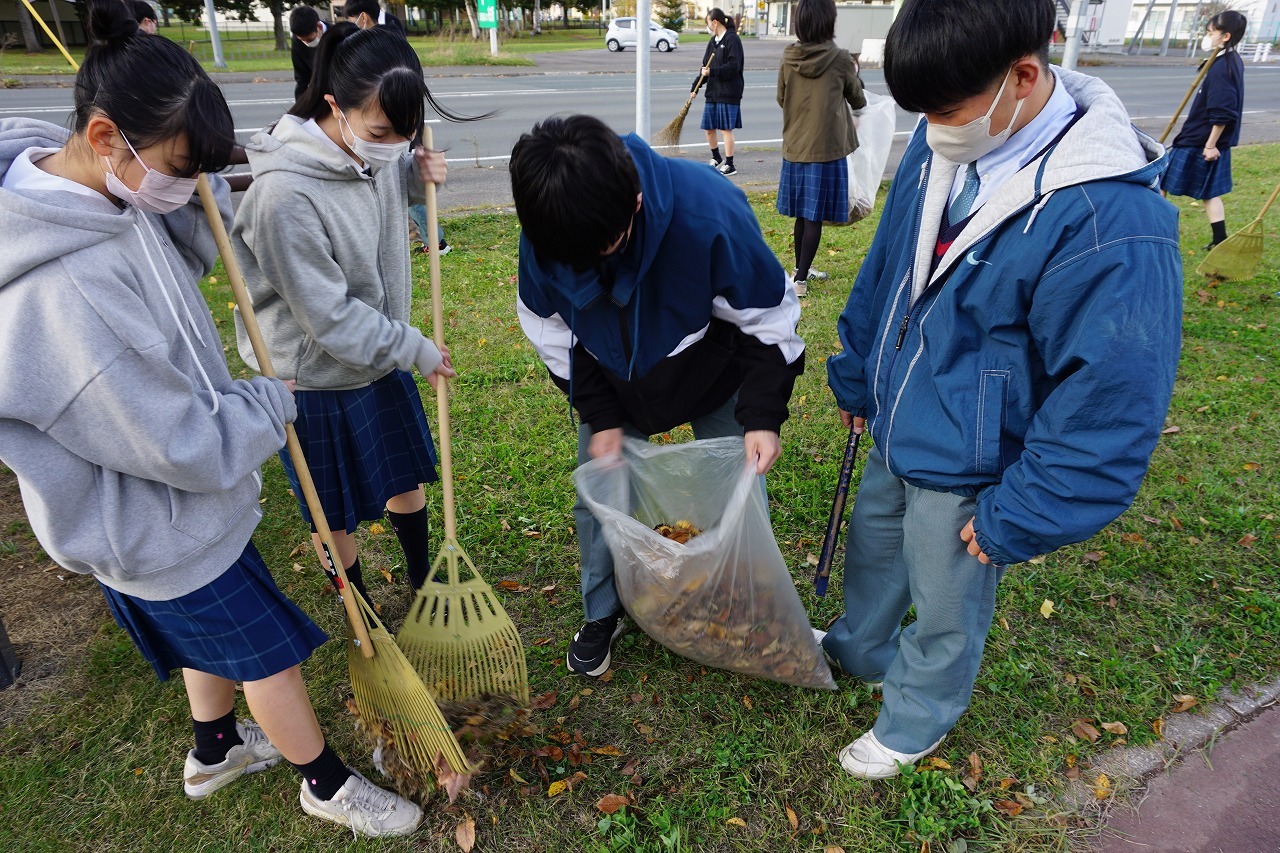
(25,175)
(1022,147)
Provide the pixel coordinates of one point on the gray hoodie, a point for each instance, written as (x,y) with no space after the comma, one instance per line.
(324,251)
(136,452)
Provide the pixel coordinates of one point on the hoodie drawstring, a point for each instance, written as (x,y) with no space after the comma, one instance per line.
(213,394)
(1035,211)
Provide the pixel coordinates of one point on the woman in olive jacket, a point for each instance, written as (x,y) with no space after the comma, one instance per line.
(815,80)
(722,66)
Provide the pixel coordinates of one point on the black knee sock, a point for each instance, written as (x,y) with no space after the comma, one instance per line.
(715,155)
(215,738)
(325,775)
(1219,231)
(355,574)
(411,530)
(807,247)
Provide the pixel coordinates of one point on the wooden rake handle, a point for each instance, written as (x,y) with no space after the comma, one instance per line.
(335,570)
(214,216)
(1270,201)
(1195,84)
(825,559)
(442,384)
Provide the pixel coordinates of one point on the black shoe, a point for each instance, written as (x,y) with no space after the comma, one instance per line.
(1210,247)
(445,248)
(727,169)
(589,652)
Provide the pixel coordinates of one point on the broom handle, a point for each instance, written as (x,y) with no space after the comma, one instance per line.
(1194,85)
(442,385)
(701,79)
(264,361)
(335,569)
(827,556)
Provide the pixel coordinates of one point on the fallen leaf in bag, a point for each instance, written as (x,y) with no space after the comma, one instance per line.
(610,803)
(465,834)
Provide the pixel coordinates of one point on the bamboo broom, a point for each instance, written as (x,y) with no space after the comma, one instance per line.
(385,686)
(670,135)
(1237,257)
(457,633)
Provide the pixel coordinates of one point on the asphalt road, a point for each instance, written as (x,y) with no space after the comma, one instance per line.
(603,84)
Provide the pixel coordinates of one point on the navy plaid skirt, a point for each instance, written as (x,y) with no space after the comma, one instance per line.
(240,626)
(1189,174)
(721,116)
(818,192)
(363,447)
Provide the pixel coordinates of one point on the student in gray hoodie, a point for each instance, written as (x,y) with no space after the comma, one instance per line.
(321,237)
(136,452)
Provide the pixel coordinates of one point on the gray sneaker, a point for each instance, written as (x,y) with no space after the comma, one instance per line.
(363,806)
(256,753)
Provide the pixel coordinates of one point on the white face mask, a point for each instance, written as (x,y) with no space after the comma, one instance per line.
(158,192)
(1207,43)
(968,142)
(375,154)
(315,42)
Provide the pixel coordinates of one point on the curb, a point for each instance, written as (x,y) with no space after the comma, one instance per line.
(1132,768)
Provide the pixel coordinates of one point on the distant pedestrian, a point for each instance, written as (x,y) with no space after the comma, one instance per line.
(307,28)
(145,14)
(1200,161)
(815,82)
(722,66)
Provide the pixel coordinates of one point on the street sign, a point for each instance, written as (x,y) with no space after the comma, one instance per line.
(760,6)
(487,14)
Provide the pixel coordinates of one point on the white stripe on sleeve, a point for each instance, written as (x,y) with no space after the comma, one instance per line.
(550,336)
(771,326)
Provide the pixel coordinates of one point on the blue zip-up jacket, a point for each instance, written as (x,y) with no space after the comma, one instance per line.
(1034,366)
(698,308)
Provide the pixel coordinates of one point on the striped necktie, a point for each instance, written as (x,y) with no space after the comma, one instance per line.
(963,204)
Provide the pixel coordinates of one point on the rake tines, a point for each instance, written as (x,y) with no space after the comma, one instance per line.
(459,638)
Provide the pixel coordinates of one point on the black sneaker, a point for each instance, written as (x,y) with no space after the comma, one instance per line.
(589,652)
(445,248)
(727,169)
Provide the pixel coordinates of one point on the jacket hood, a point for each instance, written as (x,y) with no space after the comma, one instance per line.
(42,226)
(289,147)
(811,60)
(652,221)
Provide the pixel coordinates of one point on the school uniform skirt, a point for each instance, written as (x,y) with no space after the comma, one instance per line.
(363,447)
(721,116)
(1189,174)
(818,192)
(239,626)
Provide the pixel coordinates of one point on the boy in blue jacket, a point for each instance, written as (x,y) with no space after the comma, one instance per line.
(649,293)
(1011,341)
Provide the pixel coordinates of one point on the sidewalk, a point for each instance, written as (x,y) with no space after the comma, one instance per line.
(1213,788)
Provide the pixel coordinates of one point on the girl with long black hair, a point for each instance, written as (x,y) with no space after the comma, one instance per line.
(137,453)
(321,236)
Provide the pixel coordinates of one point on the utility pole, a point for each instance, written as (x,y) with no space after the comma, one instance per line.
(644,11)
(218,61)
(1168,28)
(1135,46)
(1071,50)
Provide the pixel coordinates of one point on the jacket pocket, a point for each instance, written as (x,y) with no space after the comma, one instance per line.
(992,397)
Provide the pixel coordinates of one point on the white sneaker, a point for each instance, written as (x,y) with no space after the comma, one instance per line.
(256,753)
(363,806)
(820,635)
(868,758)
(817,275)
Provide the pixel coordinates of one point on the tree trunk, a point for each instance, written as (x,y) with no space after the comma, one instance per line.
(28,28)
(471,18)
(537,17)
(277,21)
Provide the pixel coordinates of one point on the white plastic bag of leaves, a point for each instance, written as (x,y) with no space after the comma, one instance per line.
(724,599)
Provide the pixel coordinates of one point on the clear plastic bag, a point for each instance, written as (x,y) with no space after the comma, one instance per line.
(867,163)
(725,599)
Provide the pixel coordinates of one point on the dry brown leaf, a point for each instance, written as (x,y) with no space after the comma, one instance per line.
(543,641)
(933,762)
(1183,702)
(811,559)
(748,704)
(1157,726)
(1175,522)
(1131,538)
(792,818)
(833,848)
(975,767)
(1009,808)
(465,834)
(1170,430)
(1102,787)
(606,750)
(1085,731)
(543,702)
(1093,556)
(1116,728)
(512,586)
(1251,466)
(1247,540)
(1007,782)
(610,803)
(736,821)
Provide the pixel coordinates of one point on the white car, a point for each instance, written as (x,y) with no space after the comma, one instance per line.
(622,34)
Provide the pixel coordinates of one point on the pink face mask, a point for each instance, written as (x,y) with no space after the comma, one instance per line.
(158,192)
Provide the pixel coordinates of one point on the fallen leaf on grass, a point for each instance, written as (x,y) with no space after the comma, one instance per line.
(1131,538)
(1157,726)
(792,818)
(748,704)
(1247,540)
(1251,466)
(973,775)
(811,559)
(1085,731)
(1046,609)
(610,803)
(1171,430)
(935,763)
(1094,556)
(1009,808)
(833,848)
(1116,728)
(606,750)
(542,641)
(736,821)
(1007,782)
(543,702)
(512,586)
(465,834)
(1102,787)
(1183,702)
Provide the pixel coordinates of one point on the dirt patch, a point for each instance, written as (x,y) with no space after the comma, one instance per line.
(50,614)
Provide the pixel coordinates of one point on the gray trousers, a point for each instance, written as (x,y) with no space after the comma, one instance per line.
(599,596)
(905,549)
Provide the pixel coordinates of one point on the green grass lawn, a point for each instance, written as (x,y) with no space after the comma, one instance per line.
(1177,597)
